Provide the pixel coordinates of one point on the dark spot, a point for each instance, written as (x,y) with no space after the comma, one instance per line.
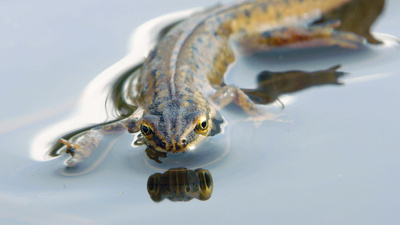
(247,13)
(154,83)
(265,75)
(173,127)
(195,49)
(188,79)
(151,183)
(267,34)
(154,73)
(159,142)
(131,126)
(190,101)
(203,125)
(208,178)
(71,151)
(152,54)
(161,76)
(184,142)
(188,90)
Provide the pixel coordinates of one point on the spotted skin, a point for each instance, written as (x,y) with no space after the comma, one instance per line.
(184,74)
(180,86)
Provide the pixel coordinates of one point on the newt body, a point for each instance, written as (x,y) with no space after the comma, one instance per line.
(180,89)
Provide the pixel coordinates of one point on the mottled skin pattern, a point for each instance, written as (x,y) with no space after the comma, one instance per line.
(179,79)
(180,88)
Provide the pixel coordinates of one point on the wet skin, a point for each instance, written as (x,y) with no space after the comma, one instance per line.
(179,90)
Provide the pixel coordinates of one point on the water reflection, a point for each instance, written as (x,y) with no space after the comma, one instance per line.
(180,184)
(356,17)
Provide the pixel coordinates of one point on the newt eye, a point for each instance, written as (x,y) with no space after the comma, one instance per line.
(146,130)
(202,124)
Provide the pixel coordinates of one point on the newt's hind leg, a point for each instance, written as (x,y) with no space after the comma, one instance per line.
(318,35)
(83,144)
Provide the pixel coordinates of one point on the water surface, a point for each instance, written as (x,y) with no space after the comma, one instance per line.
(334,160)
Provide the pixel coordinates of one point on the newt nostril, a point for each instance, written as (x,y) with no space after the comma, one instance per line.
(184,142)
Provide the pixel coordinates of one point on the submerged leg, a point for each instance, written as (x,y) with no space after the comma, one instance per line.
(302,37)
(82,145)
(272,84)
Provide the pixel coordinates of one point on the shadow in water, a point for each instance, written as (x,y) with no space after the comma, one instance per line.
(272,84)
(180,184)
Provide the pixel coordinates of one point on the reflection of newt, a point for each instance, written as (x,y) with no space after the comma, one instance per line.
(180,184)
(178,91)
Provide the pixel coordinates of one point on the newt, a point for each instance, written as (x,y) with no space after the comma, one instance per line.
(179,90)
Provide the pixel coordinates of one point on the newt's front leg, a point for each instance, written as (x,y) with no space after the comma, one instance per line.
(233,94)
(228,94)
(83,144)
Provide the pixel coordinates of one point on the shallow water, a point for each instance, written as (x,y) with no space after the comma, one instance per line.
(334,160)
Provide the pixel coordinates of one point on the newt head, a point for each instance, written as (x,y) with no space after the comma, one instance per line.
(175,129)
